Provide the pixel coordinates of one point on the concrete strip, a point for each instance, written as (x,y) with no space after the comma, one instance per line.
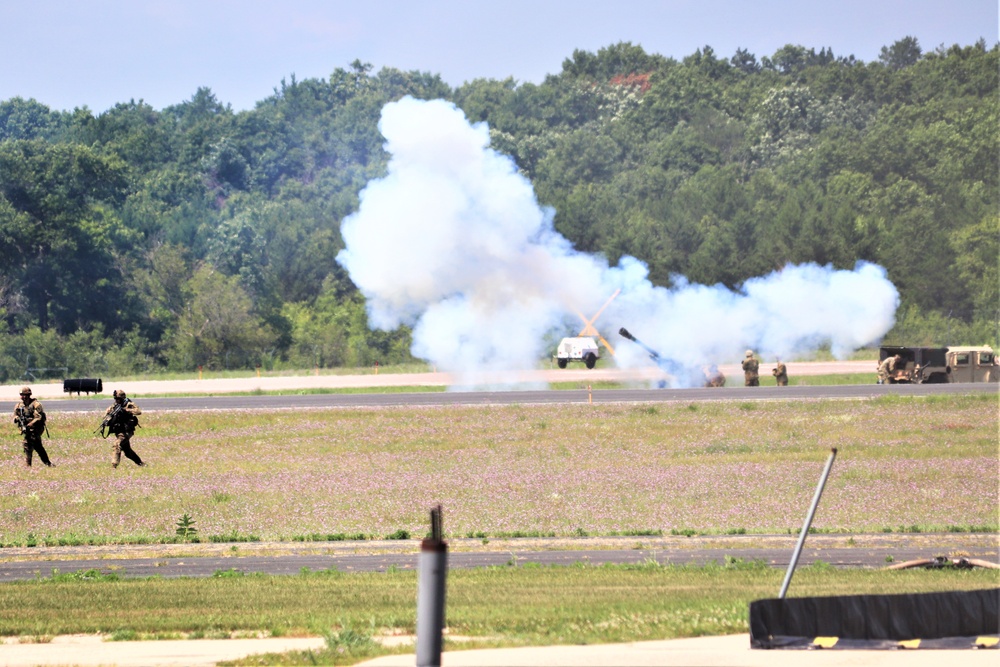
(92,651)
(53,389)
(727,651)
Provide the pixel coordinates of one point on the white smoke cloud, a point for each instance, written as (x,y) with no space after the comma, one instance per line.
(453,243)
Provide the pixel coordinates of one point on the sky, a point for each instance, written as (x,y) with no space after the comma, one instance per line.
(97,53)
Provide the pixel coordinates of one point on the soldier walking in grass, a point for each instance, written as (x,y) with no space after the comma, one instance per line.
(750,367)
(121,420)
(29,415)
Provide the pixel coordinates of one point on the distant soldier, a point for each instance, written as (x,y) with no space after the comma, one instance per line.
(121,420)
(30,419)
(750,367)
(887,368)
(714,377)
(780,373)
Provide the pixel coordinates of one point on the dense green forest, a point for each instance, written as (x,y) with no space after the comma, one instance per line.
(139,239)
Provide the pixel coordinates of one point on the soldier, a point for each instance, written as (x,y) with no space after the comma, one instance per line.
(714,377)
(750,367)
(780,373)
(121,419)
(30,419)
(887,367)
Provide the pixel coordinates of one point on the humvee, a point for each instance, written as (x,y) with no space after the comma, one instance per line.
(577,348)
(938,365)
(973,364)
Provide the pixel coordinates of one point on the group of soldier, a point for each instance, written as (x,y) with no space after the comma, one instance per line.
(120,420)
(751,377)
(751,374)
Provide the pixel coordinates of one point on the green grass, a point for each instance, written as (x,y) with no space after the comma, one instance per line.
(906,463)
(504,606)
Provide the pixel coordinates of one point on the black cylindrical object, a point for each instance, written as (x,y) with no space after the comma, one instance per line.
(431,595)
(85,385)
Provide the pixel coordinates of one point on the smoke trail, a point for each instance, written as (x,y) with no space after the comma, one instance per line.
(453,243)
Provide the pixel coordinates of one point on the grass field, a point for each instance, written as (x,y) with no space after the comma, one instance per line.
(507,606)
(904,464)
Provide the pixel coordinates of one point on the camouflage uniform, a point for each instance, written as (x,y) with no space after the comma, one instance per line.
(750,366)
(780,374)
(714,377)
(31,412)
(123,427)
(886,368)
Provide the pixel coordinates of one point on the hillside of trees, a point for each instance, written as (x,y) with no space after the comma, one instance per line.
(138,240)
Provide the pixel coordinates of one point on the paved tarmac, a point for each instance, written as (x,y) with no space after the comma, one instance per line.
(279,558)
(725,651)
(93,651)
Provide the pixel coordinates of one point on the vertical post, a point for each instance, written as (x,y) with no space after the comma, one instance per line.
(430,594)
(590,395)
(805,526)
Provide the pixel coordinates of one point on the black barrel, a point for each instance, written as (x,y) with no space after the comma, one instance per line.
(85,385)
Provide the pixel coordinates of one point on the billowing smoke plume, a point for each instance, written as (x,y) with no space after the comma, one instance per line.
(453,242)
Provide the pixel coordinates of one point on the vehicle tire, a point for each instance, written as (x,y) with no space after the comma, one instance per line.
(561,363)
(590,360)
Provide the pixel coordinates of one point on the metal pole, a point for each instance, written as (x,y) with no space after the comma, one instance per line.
(430,594)
(805,527)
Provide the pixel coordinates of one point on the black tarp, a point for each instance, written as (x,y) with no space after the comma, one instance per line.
(796,622)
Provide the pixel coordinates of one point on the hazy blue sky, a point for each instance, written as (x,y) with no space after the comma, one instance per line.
(70,53)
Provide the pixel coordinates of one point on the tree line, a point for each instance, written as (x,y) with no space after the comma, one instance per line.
(137,240)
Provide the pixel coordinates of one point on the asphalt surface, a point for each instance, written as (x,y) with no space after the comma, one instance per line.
(519,397)
(204,560)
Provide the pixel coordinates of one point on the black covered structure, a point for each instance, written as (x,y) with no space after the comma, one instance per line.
(952,619)
(85,385)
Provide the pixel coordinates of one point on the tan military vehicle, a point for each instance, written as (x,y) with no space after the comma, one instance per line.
(937,365)
(973,364)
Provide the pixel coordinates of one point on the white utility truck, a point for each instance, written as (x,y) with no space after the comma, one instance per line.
(577,348)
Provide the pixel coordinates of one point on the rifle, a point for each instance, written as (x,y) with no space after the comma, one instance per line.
(24,425)
(22,420)
(110,419)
